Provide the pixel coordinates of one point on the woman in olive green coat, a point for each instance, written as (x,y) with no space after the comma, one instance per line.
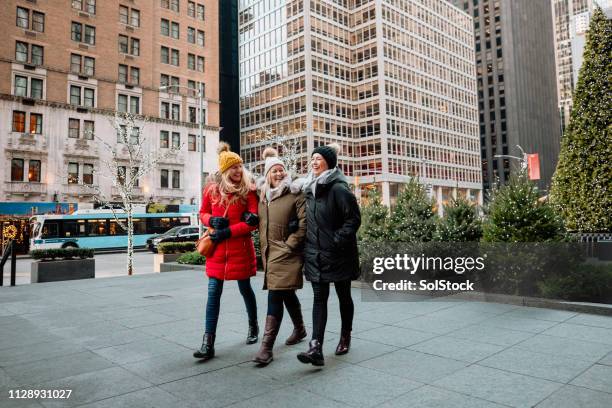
(282,228)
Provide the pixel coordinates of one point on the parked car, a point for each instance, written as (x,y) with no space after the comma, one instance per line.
(176,234)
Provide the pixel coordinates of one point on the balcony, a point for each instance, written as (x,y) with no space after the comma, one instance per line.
(25,189)
(27,142)
(84,148)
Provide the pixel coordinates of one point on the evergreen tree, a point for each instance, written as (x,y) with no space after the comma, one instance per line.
(582,184)
(374,219)
(517,214)
(460,223)
(413,219)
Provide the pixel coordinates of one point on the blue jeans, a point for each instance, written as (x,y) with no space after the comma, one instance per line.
(215,288)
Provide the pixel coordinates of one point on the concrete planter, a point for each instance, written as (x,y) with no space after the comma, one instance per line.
(67,269)
(174,267)
(159,259)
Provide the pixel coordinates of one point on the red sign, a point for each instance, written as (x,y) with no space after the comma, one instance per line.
(533,166)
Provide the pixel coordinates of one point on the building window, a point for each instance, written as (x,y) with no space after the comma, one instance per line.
(164,139)
(200,66)
(17,170)
(124,14)
(165,110)
(200,38)
(191,35)
(81,65)
(122,103)
(192,114)
(123,44)
(123,73)
(134,104)
(175,58)
(134,75)
(90,35)
(77,33)
(88,97)
(165,55)
(21,86)
(176,140)
(38,22)
(88,6)
(174,5)
(36,123)
(89,129)
(175,30)
(135,20)
(191,9)
(191,143)
(165,27)
(175,82)
(34,171)
(200,13)
(73,128)
(19,121)
(191,61)
(37,55)
(23,18)
(176,112)
(135,47)
(73,173)
(163,179)
(176,179)
(164,80)
(36,88)
(88,170)
(135,135)
(21,51)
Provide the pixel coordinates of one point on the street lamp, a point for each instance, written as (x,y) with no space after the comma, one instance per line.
(522,159)
(200,92)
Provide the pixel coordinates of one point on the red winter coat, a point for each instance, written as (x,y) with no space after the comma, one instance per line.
(234,258)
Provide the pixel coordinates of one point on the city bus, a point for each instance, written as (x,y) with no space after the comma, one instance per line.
(98,229)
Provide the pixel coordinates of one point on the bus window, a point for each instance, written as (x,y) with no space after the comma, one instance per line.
(140,226)
(50,230)
(184,221)
(74,228)
(115,228)
(96,227)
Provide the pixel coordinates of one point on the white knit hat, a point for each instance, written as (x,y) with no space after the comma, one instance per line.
(271,157)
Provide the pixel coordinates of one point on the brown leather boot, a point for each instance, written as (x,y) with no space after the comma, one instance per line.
(299,331)
(345,343)
(264,355)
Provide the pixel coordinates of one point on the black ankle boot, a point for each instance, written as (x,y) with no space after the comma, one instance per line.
(314,355)
(207,351)
(345,343)
(253,334)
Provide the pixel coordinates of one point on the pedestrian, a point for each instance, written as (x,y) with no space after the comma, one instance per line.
(282,227)
(330,253)
(229,205)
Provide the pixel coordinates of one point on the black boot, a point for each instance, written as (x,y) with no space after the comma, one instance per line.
(207,351)
(253,334)
(314,355)
(264,355)
(299,331)
(345,343)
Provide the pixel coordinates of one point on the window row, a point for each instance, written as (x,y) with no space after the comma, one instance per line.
(129,16)
(30,19)
(195,10)
(29,53)
(83,170)
(129,45)
(128,75)
(34,125)
(74,129)
(20,173)
(88,6)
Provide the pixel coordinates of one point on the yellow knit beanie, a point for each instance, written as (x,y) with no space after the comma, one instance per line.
(227,158)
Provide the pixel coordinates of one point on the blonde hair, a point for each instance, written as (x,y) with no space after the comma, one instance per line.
(224,187)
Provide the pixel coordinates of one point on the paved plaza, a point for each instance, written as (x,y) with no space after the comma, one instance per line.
(127,342)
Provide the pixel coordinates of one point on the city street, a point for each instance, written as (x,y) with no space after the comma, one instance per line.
(107,265)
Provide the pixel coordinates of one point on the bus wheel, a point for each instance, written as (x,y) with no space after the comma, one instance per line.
(70,245)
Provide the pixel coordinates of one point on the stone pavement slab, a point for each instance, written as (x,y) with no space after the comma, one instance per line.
(127,342)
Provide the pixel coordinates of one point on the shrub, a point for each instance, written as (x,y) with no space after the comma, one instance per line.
(374,219)
(62,253)
(192,258)
(175,247)
(460,223)
(586,283)
(413,218)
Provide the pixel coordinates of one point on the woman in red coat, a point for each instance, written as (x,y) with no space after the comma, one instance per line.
(229,205)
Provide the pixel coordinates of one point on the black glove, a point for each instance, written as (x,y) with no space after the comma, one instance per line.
(251,219)
(293,226)
(221,234)
(218,222)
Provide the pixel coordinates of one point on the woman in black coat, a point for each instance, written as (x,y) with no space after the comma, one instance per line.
(330,253)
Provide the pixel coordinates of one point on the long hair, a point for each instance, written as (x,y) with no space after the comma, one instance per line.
(225,192)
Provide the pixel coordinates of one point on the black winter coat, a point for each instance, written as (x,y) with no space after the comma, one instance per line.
(332,221)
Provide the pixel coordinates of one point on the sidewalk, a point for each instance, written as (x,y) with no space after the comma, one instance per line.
(127,342)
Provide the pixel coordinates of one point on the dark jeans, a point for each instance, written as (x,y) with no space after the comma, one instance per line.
(319,307)
(278,298)
(215,288)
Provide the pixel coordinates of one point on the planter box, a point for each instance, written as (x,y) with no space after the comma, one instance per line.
(70,269)
(159,259)
(174,267)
